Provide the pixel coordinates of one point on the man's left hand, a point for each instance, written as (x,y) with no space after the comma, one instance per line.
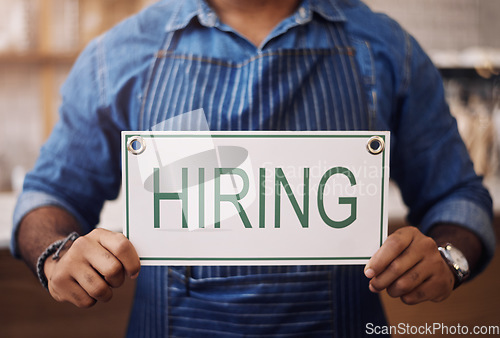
(408,265)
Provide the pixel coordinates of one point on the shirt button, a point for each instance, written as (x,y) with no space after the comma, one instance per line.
(211,18)
(302,12)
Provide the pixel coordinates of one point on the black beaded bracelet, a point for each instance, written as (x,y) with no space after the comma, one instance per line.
(55,248)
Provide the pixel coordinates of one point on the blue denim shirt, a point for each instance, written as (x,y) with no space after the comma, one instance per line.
(79,166)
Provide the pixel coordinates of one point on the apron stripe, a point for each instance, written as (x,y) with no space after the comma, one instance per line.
(312,92)
(324,96)
(239,113)
(224,95)
(356,77)
(164,97)
(183,89)
(348,85)
(232,102)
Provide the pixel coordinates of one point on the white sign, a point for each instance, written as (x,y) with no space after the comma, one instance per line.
(255,198)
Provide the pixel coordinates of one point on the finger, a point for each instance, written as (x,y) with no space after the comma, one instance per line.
(104,262)
(63,286)
(120,247)
(72,293)
(110,268)
(392,248)
(407,260)
(432,289)
(409,281)
(93,284)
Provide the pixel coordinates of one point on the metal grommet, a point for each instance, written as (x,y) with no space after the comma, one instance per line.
(375,145)
(136,145)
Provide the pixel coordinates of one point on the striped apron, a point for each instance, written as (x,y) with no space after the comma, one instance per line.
(302,89)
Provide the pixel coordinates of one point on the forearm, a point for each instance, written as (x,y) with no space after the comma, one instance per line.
(40,228)
(463,239)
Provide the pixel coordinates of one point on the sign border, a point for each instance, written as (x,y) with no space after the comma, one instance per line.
(126,135)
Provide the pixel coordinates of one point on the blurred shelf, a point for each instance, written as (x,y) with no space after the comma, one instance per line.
(485,61)
(38,58)
(7,204)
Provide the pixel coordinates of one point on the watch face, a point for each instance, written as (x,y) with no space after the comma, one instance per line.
(458,259)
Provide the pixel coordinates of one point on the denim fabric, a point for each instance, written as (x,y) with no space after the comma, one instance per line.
(109,90)
(284,301)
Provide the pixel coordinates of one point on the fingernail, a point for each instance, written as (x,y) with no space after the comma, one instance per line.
(369,273)
(134,276)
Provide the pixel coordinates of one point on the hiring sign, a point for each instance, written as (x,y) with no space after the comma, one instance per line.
(255,198)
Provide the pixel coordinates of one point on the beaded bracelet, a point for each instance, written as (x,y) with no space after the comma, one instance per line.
(55,248)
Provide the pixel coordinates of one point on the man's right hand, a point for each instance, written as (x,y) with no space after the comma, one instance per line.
(91,267)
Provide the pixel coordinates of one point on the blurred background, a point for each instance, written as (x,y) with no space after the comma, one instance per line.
(40,40)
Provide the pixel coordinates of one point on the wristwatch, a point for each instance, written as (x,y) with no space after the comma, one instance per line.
(456,261)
